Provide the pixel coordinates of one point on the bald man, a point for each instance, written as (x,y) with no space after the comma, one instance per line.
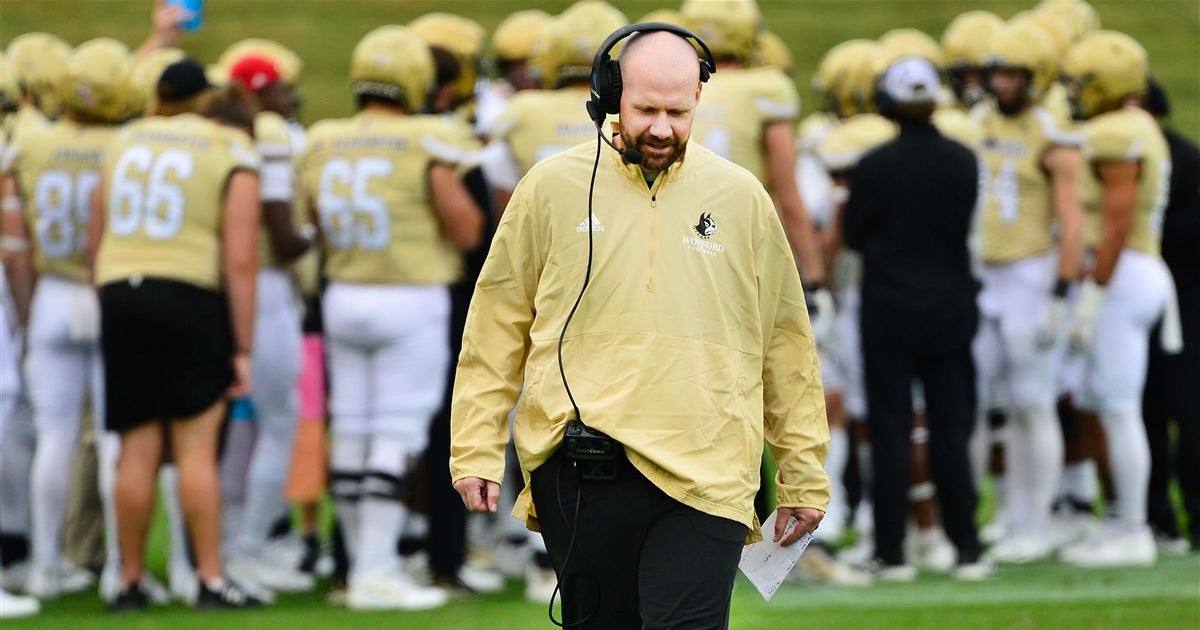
(690,345)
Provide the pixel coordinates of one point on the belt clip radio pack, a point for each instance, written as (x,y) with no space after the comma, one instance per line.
(596,455)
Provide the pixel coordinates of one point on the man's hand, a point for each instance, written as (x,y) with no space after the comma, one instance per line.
(807,521)
(479,495)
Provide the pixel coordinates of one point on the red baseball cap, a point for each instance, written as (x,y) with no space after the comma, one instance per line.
(255,72)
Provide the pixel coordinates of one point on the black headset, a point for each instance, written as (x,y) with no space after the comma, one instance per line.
(606,71)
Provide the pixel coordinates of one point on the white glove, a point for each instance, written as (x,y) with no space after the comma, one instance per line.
(1050,326)
(1083,324)
(821,313)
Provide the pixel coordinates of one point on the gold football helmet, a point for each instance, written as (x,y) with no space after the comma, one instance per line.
(96,86)
(1022,46)
(771,50)
(517,35)
(38,61)
(1077,15)
(392,62)
(461,36)
(908,42)
(1103,69)
(729,27)
(846,76)
(573,38)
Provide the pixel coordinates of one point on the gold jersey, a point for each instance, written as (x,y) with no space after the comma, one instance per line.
(846,144)
(366,178)
(57,167)
(540,123)
(958,126)
(735,107)
(1018,213)
(164,181)
(26,118)
(277,180)
(1129,135)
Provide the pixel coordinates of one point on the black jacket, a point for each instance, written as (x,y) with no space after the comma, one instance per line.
(1181,218)
(909,213)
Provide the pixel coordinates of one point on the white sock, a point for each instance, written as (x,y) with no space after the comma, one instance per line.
(1034,454)
(979,450)
(1129,458)
(240,439)
(179,558)
(108,452)
(379,525)
(835,468)
(50,484)
(1079,481)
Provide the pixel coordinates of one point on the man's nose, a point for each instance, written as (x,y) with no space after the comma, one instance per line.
(661,127)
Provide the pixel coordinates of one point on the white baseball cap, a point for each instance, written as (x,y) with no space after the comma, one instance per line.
(911,80)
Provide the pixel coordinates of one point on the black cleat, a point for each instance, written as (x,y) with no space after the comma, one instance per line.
(224,594)
(131,599)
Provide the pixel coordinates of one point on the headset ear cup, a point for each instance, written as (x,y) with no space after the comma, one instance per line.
(704,74)
(611,99)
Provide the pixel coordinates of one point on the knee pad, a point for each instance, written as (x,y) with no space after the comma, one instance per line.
(345,485)
(382,486)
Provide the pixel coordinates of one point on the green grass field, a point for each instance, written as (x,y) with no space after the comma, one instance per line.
(1044,596)
(324,31)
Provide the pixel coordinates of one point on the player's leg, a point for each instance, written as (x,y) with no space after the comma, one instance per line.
(57,376)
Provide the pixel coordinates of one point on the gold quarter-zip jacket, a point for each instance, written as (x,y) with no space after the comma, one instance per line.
(691,344)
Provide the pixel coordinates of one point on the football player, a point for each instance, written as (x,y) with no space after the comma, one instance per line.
(37,62)
(963,44)
(1127,286)
(464,38)
(1031,168)
(55,169)
(16,425)
(748,115)
(513,46)
(393,216)
(540,123)
(276,350)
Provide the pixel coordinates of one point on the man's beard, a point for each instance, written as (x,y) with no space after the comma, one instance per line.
(655,161)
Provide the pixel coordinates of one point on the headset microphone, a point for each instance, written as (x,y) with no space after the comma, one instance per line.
(631,155)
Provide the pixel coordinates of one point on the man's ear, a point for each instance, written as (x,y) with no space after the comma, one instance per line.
(699,88)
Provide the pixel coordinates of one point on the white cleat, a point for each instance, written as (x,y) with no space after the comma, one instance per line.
(540,583)
(510,556)
(155,590)
(284,551)
(74,579)
(817,566)
(932,551)
(481,580)
(860,554)
(258,570)
(977,571)
(1021,550)
(184,585)
(14,578)
(14,606)
(43,583)
(1114,547)
(994,531)
(894,573)
(393,591)
(1172,547)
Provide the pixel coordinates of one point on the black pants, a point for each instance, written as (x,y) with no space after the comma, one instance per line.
(949,380)
(640,559)
(447,517)
(1171,395)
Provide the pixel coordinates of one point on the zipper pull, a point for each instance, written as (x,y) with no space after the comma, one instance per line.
(653,199)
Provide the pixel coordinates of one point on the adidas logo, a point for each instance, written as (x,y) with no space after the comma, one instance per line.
(582,228)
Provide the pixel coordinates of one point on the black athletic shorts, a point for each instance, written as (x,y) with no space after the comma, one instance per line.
(167,350)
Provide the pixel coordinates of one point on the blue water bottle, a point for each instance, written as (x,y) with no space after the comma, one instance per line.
(196,7)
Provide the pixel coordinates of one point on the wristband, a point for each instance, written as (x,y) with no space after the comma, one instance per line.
(1061,287)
